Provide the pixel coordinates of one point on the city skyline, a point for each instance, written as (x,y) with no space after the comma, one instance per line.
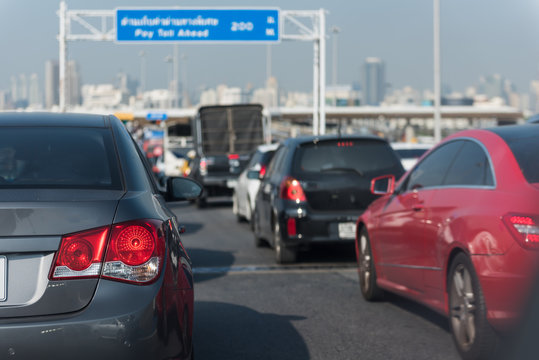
(399,34)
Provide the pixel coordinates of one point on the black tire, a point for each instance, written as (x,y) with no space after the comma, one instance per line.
(255,226)
(283,254)
(472,334)
(366,269)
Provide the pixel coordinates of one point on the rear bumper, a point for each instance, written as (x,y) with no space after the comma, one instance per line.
(318,227)
(122,322)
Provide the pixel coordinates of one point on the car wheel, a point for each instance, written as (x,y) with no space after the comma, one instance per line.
(255,225)
(473,335)
(366,270)
(283,254)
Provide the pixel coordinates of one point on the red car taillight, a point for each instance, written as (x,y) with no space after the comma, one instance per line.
(134,253)
(524,228)
(262,172)
(80,255)
(291,190)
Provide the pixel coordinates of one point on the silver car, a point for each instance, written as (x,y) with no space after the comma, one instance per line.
(91,262)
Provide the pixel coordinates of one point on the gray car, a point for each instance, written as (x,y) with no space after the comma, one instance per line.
(91,262)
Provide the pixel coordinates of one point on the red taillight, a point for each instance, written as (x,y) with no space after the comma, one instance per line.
(134,245)
(262,172)
(80,254)
(291,227)
(134,252)
(233,156)
(292,190)
(524,229)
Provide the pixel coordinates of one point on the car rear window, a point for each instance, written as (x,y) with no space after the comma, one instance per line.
(359,155)
(52,157)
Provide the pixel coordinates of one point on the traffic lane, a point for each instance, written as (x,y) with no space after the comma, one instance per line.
(215,238)
(317,314)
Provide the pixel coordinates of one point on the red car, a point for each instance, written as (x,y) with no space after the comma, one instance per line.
(459,233)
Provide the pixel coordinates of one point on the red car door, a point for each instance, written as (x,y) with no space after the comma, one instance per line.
(401,230)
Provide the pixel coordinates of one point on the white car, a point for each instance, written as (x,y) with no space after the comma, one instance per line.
(243,200)
(409,153)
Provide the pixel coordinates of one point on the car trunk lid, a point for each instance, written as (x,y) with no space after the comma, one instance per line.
(32,223)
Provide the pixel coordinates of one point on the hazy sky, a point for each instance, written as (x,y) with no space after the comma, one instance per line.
(479,37)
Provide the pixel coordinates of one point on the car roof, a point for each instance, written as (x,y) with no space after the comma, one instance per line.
(315,138)
(507,132)
(52,119)
(268,147)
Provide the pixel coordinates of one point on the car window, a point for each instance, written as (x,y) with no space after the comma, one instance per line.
(363,156)
(431,171)
(471,167)
(275,163)
(257,156)
(71,157)
(525,149)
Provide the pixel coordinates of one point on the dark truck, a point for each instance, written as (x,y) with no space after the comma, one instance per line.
(224,138)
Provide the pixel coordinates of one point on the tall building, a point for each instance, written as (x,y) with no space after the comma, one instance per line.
(73,84)
(52,79)
(374,81)
(34,95)
(493,86)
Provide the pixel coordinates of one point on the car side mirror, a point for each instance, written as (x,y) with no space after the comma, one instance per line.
(253,174)
(181,188)
(383,185)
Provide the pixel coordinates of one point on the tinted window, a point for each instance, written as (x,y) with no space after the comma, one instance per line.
(431,171)
(255,159)
(276,162)
(363,156)
(525,148)
(471,167)
(410,153)
(58,157)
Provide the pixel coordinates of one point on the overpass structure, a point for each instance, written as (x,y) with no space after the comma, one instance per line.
(302,115)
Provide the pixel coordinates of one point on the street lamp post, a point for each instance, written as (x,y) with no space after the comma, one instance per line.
(437,74)
(169,59)
(335,31)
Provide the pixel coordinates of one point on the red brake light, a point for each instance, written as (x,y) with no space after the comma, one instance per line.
(262,172)
(135,245)
(136,251)
(80,255)
(524,229)
(292,190)
(233,156)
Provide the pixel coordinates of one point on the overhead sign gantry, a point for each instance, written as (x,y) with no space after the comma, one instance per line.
(203,25)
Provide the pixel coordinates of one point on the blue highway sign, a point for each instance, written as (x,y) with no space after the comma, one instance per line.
(197,25)
(154,116)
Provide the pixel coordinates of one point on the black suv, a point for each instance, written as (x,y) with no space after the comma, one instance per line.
(315,189)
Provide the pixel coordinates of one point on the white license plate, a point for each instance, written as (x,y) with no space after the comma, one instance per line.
(347,230)
(3,277)
(231,184)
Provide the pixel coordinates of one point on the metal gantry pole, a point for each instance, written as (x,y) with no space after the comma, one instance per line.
(437,74)
(322,61)
(62,61)
(316,86)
